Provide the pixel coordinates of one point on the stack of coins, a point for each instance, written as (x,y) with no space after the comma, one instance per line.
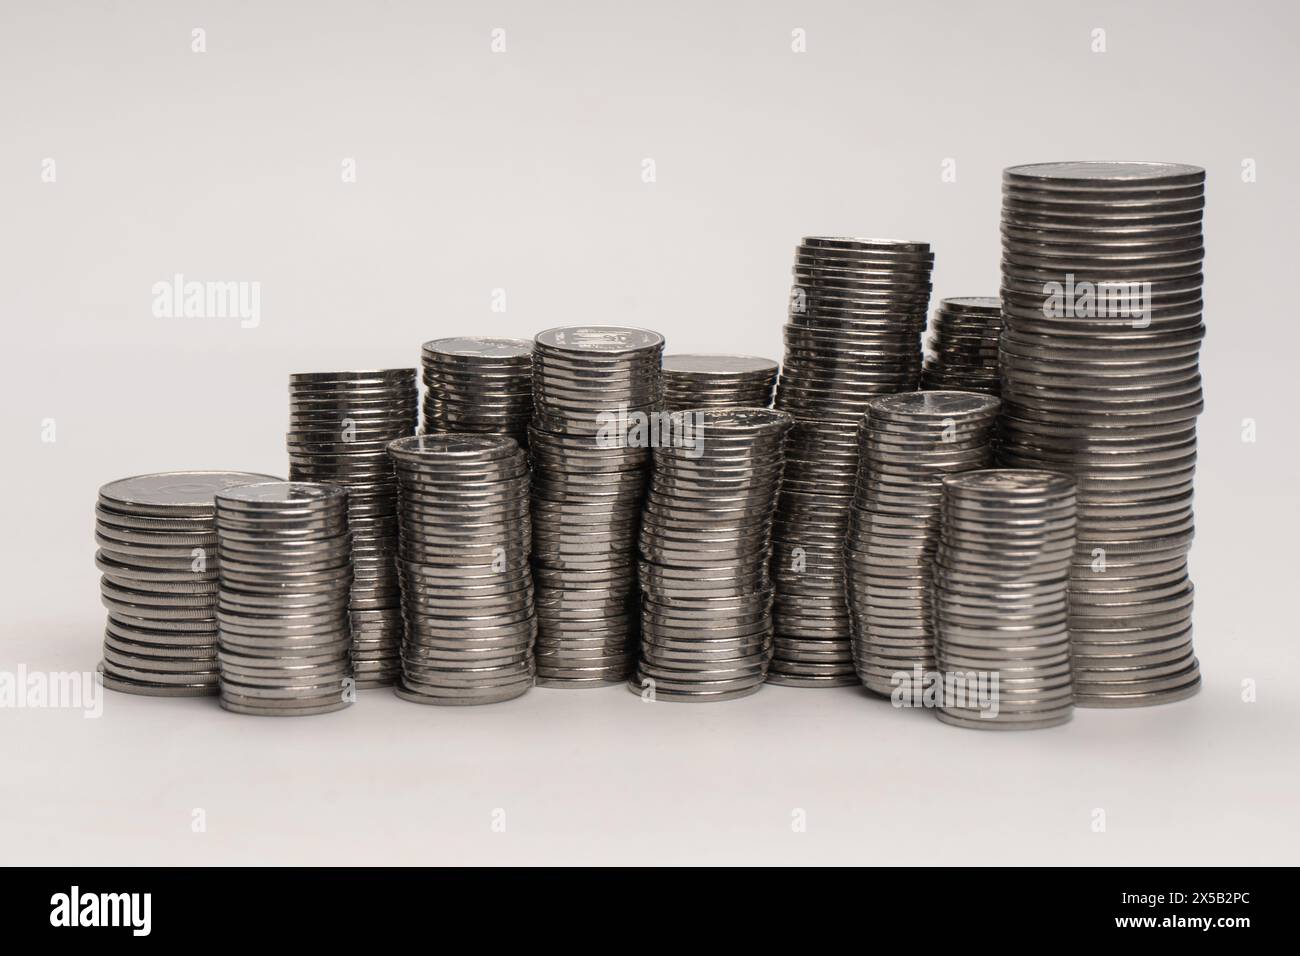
(340,424)
(478,384)
(1101,293)
(285,637)
(857,312)
(909,443)
(964,346)
(718,381)
(1001,575)
(157,537)
(595,395)
(706,622)
(466,588)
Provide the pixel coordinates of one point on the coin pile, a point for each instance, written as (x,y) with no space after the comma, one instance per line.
(909,443)
(340,424)
(595,392)
(478,384)
(1001,574)
(466,588)
(718,381)
(1101,293)
(157,538)
(964,346)
(706,612)
(285,639)
(857,312)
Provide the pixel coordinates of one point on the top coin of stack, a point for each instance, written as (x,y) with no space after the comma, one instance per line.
(340,424)
(478,384)
(964,346)
(157,538)
(718,381)
(590,386)
(857,311)
(1101,293)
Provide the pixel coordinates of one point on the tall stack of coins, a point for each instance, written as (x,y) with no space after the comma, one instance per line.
(718,381)
(706,613)
(157,537)
(466,586)
(1001,574)
(909,442)
(1101,294)
(285,638)
(857,311)
(595,393)
(478,384)
(964,346)
(340,424)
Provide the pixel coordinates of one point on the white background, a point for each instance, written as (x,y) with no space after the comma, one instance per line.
(522,171)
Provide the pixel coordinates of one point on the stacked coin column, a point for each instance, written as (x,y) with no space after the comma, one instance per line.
(340,424)
(718,381)
(285,637)
(706,611)
(478,384)
(1101,292)
(857,312)
(909,443)
(1001,575)
(467,591)
(594,391)
(964,346)
(157,537)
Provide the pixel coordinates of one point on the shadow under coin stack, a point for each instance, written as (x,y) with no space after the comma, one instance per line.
(340,424)
(706,611)
(857,312)
(478,384)
(590,385)
(285,636)
(910,442)
(157,537)
(466,587)
(1101,294)
(1001,574)
(964,346)
(718,381)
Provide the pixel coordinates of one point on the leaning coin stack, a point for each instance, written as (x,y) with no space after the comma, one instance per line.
(1101,292)
(909,443)
(706,612)
(718,381)
(857,311)
(466,587)
(157,537)
(964,346)
(340,424)
(478,384)
(591,385)
(285,637)
(1001,573)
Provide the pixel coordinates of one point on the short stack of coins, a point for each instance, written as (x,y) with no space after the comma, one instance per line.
(909,443)
(340,424)
(467,592)
(595,391)
(857,312)
(1001,575)
(157,538)
(706,611)
(285,638)
(1101,294)
(963,346)
(718,381)
(478,384)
